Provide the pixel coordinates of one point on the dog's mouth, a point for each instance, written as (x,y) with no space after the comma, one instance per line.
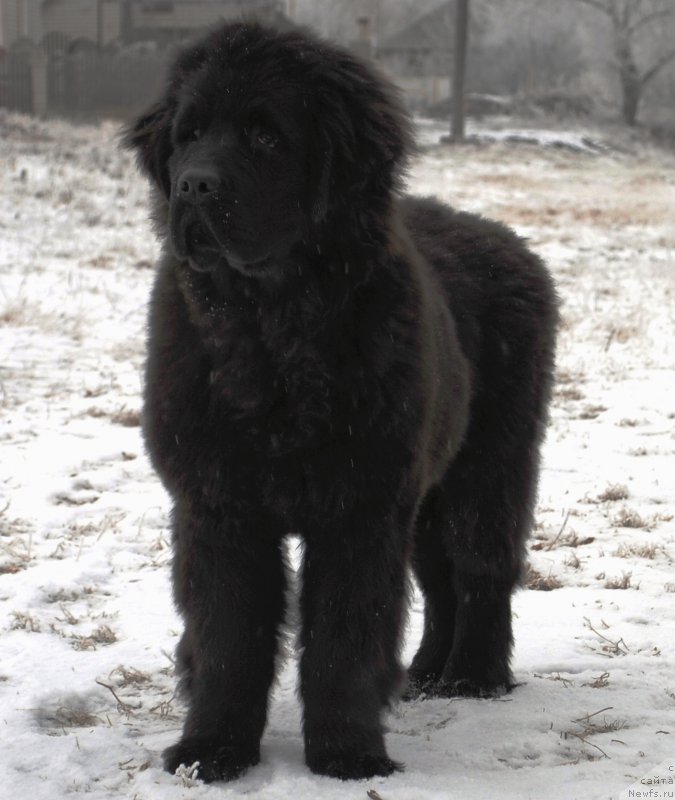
(194,241)
(205,253)
(202,249)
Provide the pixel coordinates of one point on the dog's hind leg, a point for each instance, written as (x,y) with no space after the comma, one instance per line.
(487,497)
(434,572)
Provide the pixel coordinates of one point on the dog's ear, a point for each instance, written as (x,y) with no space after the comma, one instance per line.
(368,131)
(150,138)
(320,176)
(150,135)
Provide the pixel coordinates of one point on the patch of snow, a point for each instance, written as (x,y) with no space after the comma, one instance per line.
(87,628)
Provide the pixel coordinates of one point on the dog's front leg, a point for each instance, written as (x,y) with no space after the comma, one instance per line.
(229,586)
(353,600)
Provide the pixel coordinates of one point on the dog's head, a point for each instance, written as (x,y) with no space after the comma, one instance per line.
(264,141)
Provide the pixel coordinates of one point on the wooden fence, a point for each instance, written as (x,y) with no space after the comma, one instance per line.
(16,87)
(84,83)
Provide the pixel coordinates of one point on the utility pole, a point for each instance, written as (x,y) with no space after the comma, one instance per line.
(459,71)
(126,22)
(99,24)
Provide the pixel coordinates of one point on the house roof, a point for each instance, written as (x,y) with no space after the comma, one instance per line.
(242,5)
(431,31)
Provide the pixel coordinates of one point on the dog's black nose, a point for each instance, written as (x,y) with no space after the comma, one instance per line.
(195,185)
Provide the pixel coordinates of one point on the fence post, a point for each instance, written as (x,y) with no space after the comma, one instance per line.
(38,71)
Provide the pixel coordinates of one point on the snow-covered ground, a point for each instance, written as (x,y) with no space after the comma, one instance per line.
(87,629)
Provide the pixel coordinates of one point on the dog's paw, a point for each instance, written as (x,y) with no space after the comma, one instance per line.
(469,687)
(213,760)
(418,686)
(354,766)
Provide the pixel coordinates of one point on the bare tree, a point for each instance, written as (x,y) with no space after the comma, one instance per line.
(337,18)
(459,69)
(630,21)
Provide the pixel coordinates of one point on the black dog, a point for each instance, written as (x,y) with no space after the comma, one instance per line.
(330,358)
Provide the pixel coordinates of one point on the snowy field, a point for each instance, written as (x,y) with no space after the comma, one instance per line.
(87,629)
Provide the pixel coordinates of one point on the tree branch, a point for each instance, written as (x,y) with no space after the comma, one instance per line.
(660,64)
(598,5)
(640,23)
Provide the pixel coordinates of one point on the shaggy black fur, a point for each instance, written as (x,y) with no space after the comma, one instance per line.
(330,358)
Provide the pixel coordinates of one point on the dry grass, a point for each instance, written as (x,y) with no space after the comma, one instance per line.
(569,393)
(624,333)
(591,412)
(102,261)
(65,717)
(647,550)
(541,583)
(572,539)
(74,718)
(564,376)
(624,582)
(122,705)
(67,499)
(616,491)
(68,617)
(101,636)
(608,647)
(11,569)
(556,676)
(25,622)
(165,709)
(96,412)
(16,541)
(17,314)
(22,313)
(129,676)
(572,212)
(627,518)
(71,711)
(62,596)
(572,561)
(132,769)
(600,682)
(590,726)
(129,418)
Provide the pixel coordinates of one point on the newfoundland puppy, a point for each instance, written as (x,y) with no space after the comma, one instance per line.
(331,358)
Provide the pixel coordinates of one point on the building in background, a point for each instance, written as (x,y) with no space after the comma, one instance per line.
(93,58)
(105,22)
(32,20)
(167,21)
(420,56)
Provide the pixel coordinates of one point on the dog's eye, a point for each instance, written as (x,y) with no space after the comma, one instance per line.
(187,134)
(266,139)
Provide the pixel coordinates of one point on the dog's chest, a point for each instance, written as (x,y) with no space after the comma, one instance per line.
(270,383)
